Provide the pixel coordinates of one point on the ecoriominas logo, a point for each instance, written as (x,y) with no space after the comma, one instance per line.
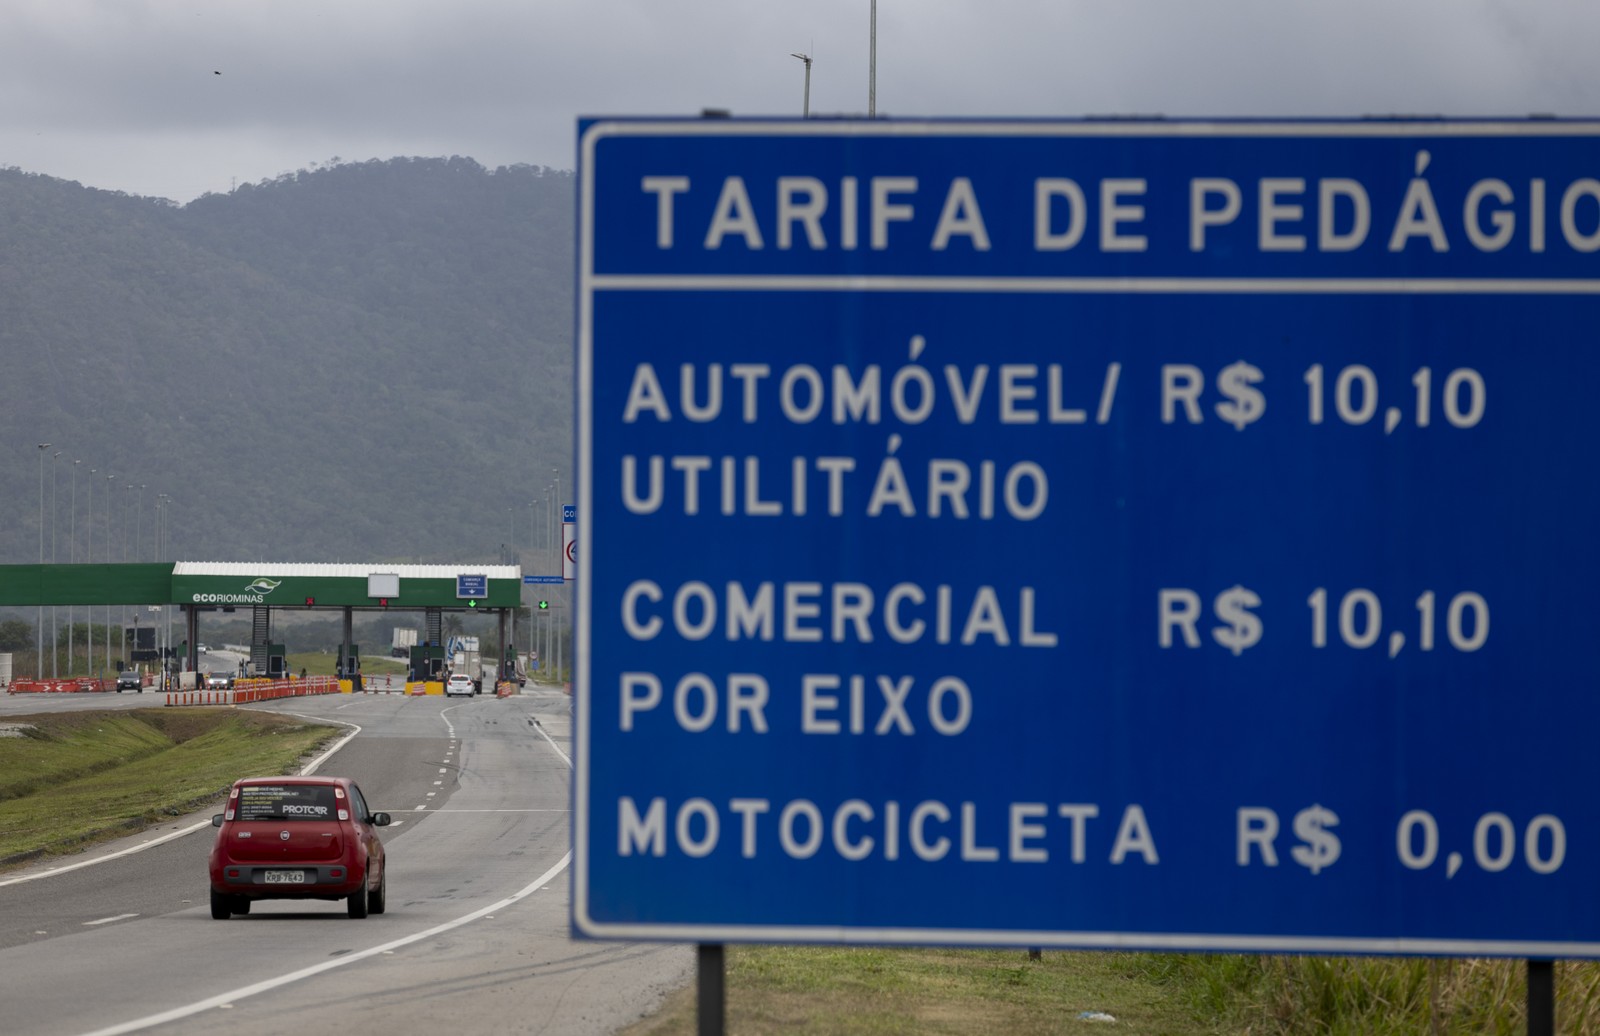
(254,593)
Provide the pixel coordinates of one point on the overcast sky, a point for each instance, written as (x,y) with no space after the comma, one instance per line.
(126,94)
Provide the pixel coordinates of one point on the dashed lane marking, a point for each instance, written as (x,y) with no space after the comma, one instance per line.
(108,920)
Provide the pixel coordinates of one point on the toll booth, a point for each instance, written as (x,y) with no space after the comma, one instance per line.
(267,659)
(427,662)
(348,665)
(277,661)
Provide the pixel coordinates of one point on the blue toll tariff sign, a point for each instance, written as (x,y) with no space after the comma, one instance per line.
(1098,534)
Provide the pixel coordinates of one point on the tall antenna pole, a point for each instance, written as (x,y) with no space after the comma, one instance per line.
(872,66)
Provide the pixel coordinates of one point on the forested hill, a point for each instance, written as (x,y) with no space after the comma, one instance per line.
(361,362)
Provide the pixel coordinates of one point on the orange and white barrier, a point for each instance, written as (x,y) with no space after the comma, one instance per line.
(253,690)
(199,697)
(70,685)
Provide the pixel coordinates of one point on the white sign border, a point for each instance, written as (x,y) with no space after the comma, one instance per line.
(589,282)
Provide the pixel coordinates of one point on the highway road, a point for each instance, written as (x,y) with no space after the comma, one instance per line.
(475,938)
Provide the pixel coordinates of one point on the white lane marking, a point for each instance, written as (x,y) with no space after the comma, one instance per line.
(141,847)
(563,755)
(419,809)
(449,727)
(449,809)
(266,985)
(437,783)
(108,920)
(310,768)
(443,770)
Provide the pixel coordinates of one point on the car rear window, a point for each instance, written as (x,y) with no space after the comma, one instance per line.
(287,802)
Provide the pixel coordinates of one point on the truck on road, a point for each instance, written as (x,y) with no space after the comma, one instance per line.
(461,653)
(404,641)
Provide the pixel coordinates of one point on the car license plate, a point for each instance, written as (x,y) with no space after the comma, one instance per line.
(286,877)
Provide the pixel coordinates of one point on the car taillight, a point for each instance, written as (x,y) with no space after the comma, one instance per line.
(336,872)
(228,815)
(344,814)
(233,872)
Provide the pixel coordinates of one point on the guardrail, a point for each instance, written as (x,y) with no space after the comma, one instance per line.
(252,690)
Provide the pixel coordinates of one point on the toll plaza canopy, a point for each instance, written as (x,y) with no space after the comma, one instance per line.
(230,583)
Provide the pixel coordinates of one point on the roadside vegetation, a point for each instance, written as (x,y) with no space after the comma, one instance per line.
(875,991)
(321,663)
(68,780)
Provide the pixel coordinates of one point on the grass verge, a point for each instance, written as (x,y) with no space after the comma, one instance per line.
(318,663)
(73,779)
(873,991)
(1380,996)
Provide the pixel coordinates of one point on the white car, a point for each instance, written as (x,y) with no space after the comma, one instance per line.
(458,683)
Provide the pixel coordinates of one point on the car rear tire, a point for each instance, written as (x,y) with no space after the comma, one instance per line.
(357,902)
(378,900)
(221,906)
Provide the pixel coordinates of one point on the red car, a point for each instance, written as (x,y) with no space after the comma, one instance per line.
(297,838)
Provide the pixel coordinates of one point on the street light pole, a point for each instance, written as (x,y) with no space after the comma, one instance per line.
(88,556)
(72,557)
(533,552)
(162,505)
(55,519)
(872,65)
(38,655)
(548,626)
(127,501)
(561,549)
(805,108)
(111,498)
